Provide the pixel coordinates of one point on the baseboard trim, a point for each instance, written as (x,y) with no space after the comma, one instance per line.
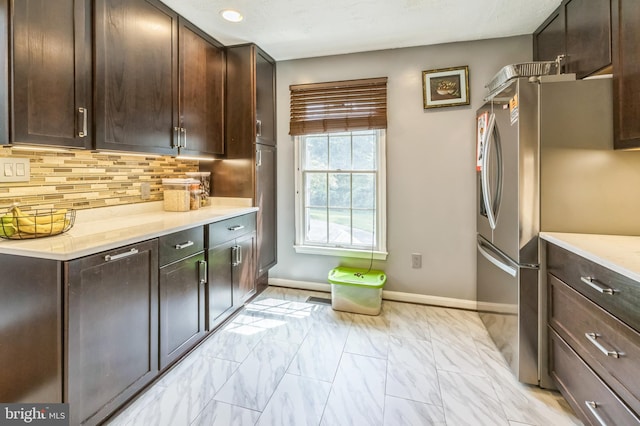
(395,296)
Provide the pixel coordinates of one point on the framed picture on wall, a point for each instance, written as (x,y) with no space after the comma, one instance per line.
(445,87)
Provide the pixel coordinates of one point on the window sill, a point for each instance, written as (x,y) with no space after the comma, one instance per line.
(341,252)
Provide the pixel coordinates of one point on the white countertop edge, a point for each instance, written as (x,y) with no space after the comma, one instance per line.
(142,223)
(619,253)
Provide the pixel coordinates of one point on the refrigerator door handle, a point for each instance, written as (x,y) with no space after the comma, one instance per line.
(490,205)
(498,259)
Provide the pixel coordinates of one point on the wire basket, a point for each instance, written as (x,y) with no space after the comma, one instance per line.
(18,225)
(525,69)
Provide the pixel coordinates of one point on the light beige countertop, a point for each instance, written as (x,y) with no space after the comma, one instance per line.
(106,228)
(617,252)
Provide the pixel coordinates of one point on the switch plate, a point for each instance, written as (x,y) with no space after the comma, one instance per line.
(416,260)
(14,169)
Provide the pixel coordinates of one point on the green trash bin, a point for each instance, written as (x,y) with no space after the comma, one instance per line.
(356,290)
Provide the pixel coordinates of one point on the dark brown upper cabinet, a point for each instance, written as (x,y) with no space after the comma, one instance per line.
(626,73)
(202,78)
(136,76)
(250,115)
(580,30)
(159,81)
(50,57)
(265,99)
(549,38)
(588,24)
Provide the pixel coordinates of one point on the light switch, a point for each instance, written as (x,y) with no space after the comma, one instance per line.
(13,169)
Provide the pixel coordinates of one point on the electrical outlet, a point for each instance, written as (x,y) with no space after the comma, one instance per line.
(416,260)
(145,190)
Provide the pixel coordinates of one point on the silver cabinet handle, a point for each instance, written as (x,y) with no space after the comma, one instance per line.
(259,158)
(234,256)
(184,137)
(176,133)
(592,338)
(239,252)
(183,245)
(592,406)
(83,119)
(235,227)
(131,252)
(202,271)
(591,282)
(258,128)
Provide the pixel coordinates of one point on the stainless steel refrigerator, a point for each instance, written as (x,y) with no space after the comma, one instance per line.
(534,136)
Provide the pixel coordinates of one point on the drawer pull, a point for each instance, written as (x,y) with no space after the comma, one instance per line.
(235,227)
(184,245)
(592,406)
(592,338)
(131,252)
(591,282)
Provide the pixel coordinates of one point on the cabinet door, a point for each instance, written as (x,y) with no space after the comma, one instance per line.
(220,283)
(240,114)
(112,329)
(265,100)
(202,67)
(549,38)
(51,102)
(266,200)
(244,268)
(588,35)
(182,308)
(4,74)
(30,330)
(136,69)
(626,73)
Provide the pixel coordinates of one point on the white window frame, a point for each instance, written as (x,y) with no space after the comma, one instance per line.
(381,210)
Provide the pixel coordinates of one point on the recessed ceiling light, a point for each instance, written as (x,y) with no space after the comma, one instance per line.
(231,15)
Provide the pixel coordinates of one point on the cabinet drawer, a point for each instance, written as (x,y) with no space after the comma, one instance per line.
(181,244)
(582,387)
(577,272)
(229,229)
(593,333)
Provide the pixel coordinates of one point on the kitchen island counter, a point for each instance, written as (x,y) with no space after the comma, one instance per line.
(619,253)
(106,228)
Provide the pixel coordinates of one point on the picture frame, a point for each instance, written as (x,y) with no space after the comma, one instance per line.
(446,87)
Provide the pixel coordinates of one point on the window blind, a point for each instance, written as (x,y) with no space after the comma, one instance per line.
(338,106)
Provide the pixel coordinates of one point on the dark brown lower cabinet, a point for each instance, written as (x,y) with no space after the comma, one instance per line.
(244,268)
(594,401)
(30,330)
(112,329)
(182,307)
(231,266)
(266,222)
(220,284)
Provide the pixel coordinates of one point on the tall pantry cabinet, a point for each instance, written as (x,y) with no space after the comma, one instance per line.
(249,166)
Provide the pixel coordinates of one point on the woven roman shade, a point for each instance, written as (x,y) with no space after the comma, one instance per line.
(338,106)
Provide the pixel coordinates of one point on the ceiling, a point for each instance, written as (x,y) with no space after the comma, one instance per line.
(291,29)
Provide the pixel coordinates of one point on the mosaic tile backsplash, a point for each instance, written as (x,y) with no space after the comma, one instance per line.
(84,179)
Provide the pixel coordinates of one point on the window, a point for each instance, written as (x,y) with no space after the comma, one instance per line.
(339,130)
(340,193)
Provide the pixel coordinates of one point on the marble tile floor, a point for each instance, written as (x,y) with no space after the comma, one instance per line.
(283,361)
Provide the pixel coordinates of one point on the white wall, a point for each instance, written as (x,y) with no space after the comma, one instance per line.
(431,189)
